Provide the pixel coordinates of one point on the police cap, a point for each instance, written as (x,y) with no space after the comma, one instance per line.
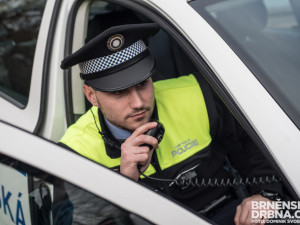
(116,59)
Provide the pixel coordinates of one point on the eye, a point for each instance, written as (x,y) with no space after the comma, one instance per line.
(117,92)
(143,83)
(121,92)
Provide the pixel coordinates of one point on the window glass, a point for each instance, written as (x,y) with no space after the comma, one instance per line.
(265,34)
(31,196)
(19,27)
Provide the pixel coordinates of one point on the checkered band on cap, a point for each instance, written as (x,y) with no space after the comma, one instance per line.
(106,62)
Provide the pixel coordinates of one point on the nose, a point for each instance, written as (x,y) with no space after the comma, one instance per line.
(136,100)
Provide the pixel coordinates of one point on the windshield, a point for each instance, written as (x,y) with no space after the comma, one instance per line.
(265,34)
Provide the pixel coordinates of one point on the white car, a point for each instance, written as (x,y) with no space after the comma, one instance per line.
(248,51)
(41,183)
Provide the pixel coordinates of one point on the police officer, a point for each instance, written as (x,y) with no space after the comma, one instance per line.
(200,134)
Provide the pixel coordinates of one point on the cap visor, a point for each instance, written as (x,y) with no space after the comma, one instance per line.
(124,78)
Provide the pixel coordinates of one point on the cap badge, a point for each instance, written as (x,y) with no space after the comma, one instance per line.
(115,42)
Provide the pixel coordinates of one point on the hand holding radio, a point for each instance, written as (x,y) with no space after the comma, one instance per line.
(136,150)
(156,132)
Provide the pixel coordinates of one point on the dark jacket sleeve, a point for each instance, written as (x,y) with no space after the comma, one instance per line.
(242,152)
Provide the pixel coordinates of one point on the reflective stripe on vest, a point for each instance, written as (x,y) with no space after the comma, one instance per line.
(182,110)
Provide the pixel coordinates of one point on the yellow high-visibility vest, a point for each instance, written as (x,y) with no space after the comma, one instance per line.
(181,109)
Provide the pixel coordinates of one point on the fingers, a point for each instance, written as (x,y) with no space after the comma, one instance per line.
(144,159)
(131,158)
(133,152)
(143,129)
(242,216)
(244,212)
(237,215)
(145,139)
(136,151)
(138,137)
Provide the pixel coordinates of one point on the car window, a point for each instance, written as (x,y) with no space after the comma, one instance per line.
(19,27)
(31,196)
(265,34)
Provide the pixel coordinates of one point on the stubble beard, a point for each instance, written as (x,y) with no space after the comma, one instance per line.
(118,123)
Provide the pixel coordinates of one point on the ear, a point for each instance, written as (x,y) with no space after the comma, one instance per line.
(90,94)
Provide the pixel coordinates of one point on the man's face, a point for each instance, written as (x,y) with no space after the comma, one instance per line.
(129,108)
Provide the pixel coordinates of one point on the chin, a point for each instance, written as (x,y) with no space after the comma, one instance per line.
(137,124)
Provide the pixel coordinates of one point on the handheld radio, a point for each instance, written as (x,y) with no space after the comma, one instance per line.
(156,132)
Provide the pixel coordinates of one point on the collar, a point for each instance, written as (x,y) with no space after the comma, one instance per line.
(118,133)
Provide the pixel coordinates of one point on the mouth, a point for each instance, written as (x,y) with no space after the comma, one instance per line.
(138,115)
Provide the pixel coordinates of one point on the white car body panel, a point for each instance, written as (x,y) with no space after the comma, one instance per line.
(105,183)
(15,183)
(80,31)
(54,124)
